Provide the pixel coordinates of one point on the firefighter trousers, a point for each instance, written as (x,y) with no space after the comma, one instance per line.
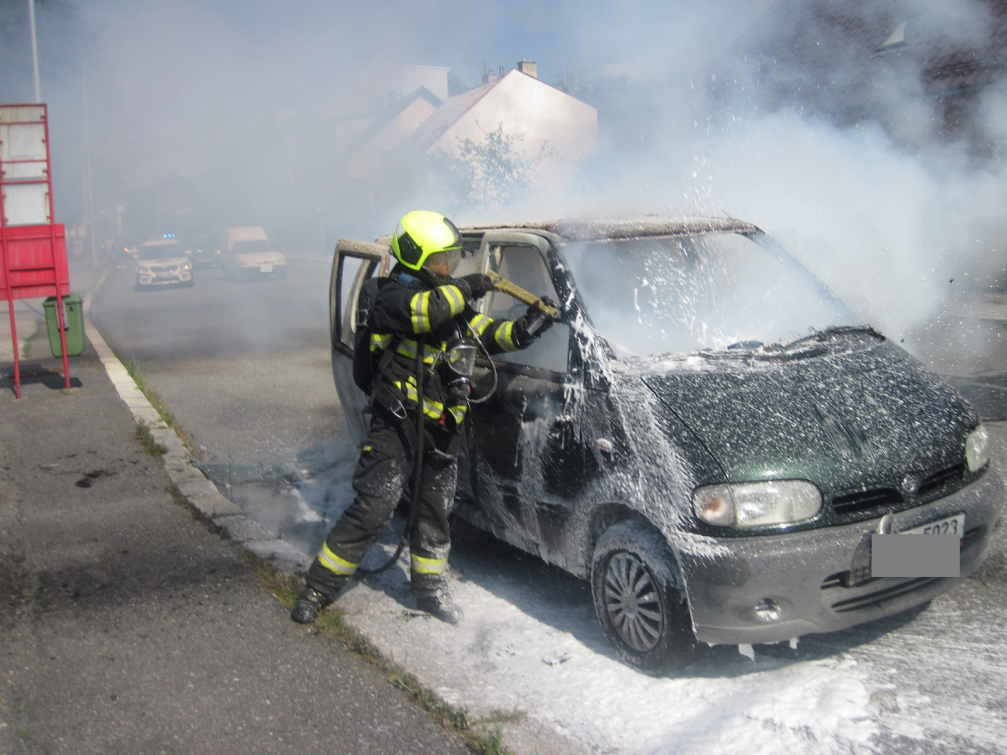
(383,475)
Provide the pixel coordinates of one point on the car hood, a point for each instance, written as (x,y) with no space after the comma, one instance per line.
(840,420)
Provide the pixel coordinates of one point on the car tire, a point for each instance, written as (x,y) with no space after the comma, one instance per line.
(640,601)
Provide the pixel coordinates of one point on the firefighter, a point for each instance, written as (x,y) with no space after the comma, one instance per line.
(422,328)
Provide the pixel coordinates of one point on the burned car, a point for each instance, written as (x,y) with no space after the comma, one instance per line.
(707,434)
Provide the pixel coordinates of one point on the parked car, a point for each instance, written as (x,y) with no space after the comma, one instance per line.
(250,254)
(163,261)
(708,434)
(204,250)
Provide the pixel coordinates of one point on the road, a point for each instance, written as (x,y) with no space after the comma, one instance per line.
(245,369)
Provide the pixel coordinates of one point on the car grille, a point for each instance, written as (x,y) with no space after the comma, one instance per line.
(163,268)
(942,483)
(866,500)
(875,502)
(886,592)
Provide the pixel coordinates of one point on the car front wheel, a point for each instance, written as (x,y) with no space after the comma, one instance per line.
(639,599)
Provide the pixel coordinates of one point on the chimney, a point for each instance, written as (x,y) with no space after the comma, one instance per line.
(489,77)
(529,67)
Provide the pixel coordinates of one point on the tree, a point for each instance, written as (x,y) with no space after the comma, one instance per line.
(490,173)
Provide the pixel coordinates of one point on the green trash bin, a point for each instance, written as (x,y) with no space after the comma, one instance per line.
(73,320)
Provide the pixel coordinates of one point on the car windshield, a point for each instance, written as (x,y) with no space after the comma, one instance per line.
(656,296)
(160,251)
(252,247)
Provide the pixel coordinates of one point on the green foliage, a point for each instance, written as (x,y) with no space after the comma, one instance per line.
(146,439)
(135,372)
(489,173)
(483,736)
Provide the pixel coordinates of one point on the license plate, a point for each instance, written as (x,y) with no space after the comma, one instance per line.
(953,525)
(265,268)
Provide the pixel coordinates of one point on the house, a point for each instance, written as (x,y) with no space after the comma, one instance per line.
(550,129)
(384,133)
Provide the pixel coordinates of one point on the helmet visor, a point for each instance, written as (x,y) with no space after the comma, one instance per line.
(444,263)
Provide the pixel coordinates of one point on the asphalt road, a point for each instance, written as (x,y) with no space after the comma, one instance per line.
(128,626)
(245,368)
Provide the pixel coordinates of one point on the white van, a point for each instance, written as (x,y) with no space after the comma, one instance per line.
(249,253)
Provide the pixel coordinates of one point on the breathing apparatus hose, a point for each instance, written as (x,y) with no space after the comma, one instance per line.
(414,497)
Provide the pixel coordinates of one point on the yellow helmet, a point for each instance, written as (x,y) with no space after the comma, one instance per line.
(422,233)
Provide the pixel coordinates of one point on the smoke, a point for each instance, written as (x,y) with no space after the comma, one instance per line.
(833,143)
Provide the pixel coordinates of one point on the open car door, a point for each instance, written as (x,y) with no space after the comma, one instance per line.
(517,424)
(352,263)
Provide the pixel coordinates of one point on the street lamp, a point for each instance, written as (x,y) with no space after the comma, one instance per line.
(88,202)
(34,50)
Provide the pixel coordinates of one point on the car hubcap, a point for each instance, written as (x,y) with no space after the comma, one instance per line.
(632,602)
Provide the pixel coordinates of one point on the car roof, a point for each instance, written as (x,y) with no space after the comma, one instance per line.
(582,229)
(599,228)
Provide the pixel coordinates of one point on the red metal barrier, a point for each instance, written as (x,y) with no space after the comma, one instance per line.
(33,260)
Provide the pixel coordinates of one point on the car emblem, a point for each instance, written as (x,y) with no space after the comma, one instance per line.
(911,484)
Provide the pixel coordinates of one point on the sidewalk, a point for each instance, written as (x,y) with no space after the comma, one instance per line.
(126,625)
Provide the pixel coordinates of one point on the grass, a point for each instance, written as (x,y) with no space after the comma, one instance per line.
(146,439)
(483,735)
(28,343)
(134,371)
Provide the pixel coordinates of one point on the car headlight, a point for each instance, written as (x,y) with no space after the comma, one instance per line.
(757,504)
(185,266)
(977,453)
(143,270)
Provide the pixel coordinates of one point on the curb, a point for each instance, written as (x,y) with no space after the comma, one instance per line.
(524,736)
(190,481)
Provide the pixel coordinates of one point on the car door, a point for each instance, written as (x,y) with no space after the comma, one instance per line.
(525,457)
(352,263)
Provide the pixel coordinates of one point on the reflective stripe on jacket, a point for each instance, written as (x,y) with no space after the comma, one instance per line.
(438,315)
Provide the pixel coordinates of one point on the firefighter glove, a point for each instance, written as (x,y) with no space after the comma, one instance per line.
(534,323)
(477,285)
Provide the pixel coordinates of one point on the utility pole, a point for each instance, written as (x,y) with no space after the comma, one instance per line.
(34,50)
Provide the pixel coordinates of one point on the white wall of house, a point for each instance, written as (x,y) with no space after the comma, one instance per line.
(541,113)
(367,158)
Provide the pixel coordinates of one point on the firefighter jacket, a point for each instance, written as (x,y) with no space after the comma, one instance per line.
(402,314)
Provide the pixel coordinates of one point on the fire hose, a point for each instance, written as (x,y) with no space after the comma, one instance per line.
(525,297)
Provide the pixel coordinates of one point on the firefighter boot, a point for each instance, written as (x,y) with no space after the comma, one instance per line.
(309,604)
(432,597)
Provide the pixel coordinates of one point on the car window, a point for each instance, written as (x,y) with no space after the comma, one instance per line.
(253,246)
(655,296)
(525,267)
(159,251)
